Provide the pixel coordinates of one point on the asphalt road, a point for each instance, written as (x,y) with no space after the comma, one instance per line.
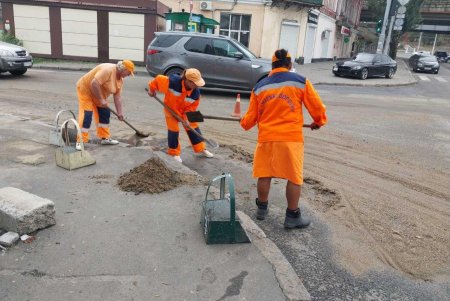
(407,125)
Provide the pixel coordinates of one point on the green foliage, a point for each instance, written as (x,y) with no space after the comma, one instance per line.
(9,38)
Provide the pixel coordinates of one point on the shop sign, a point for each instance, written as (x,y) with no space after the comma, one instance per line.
(313,18)
(345,31)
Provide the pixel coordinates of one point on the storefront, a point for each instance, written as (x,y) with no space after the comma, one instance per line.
(184,21)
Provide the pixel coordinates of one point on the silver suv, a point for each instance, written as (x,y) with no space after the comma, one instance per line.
(14,59)
(224,62)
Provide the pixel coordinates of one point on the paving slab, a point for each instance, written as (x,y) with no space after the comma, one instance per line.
(8,239)
(23,212)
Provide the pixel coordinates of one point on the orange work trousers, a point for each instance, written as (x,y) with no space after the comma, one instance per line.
(173,134)
(87,108)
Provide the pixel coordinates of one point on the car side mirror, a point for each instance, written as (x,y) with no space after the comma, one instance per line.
(238,55)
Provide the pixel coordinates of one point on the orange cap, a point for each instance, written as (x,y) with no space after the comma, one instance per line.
(194,75)
(128,65)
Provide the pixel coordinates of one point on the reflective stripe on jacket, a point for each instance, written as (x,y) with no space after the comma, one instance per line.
(176,96)
(276,106)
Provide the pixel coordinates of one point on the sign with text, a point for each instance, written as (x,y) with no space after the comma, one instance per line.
(345,31)
(313,19)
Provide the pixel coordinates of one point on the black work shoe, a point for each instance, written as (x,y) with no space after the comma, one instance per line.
(295,220)
(262,210)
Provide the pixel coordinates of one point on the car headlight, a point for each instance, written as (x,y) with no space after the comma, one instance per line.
(419,64)
(356,67)
(6,53)
(436,64)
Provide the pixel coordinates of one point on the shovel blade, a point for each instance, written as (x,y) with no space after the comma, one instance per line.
(195,116)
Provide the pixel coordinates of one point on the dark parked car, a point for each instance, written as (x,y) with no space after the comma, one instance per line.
(366,65)
(442,56)
(14,59)
(427,63)
(224,62)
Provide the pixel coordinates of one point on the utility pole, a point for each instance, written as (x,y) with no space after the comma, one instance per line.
(434,44)
(388,40)
(383,29)
(420,39)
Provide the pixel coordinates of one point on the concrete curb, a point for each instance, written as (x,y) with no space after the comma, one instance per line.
(64,68)
(290,284)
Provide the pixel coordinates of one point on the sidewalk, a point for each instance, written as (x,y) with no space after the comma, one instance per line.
(318,73)
(108,244)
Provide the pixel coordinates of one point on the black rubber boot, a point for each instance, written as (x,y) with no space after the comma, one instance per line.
(262,210)
(295,220)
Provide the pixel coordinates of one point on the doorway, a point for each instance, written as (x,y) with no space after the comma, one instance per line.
(289,37)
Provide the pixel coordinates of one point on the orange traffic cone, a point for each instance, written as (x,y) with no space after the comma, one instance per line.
(237,107)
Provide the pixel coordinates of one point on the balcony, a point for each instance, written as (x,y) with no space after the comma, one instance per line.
(298,3)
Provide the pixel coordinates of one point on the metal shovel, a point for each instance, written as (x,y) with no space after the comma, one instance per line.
(197,116)
(210,142)
(138,133)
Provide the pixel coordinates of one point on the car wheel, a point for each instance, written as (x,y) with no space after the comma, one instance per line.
(18,72)
(390,73)
(364,73)
(172,71)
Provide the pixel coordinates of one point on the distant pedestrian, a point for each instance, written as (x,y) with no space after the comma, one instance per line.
(182,94)
(276,107)
(93,89)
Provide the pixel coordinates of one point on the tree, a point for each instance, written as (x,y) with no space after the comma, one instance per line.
(413,18)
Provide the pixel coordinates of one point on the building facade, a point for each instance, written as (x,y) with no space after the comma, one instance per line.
(92,30)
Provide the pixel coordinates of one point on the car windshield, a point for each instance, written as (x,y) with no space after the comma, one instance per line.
(364,57)
(245,50)
(428,59)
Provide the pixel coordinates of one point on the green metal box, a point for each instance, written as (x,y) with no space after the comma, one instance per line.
(219,221)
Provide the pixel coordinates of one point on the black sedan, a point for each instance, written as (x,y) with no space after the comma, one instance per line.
(366,65)
(426,63)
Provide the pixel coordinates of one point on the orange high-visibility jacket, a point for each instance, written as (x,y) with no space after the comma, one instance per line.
(177,97)
(106,76)
(276,106)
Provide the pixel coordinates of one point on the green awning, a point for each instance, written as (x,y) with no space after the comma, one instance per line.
(209,22)
(183,17)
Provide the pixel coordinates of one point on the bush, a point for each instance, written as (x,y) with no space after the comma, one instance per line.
(9,38)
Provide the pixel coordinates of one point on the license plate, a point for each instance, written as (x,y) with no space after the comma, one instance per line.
(27,64)
(427,68)
(335,68)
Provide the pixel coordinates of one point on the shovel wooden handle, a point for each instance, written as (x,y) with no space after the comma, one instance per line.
(186,124)
(127,123)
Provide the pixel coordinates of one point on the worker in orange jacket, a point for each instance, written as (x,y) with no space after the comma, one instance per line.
(93,89)
(182,95)
(276,106)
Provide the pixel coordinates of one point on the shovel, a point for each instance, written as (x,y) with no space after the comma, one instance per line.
(210,142)
(138,133)
(197,116)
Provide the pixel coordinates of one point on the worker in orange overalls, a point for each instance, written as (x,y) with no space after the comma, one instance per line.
(181,95)
(93,89)
(276,106)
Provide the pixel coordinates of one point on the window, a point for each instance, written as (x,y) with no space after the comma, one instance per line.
(236,27)
(166,40)
(199,45)
(224,48)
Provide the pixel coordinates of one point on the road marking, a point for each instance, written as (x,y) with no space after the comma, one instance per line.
(442,80)
(423,77)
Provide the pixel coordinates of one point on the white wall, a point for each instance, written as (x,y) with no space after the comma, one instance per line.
(126,36)
(32,26)
(272,27)
(325,23)
(79,32)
